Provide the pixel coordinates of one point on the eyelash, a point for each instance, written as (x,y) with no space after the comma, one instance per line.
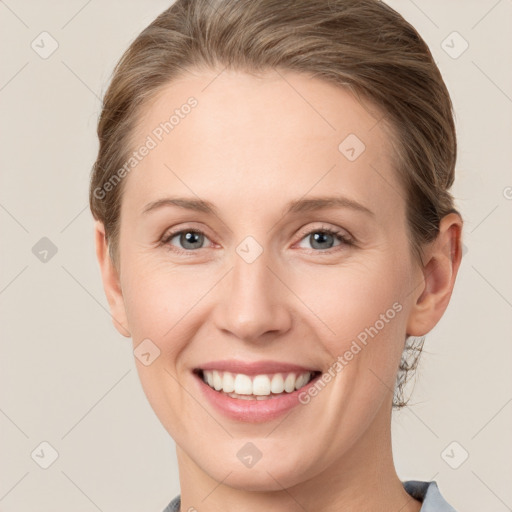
(330,231)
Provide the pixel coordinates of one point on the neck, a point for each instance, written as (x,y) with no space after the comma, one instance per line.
(363,478)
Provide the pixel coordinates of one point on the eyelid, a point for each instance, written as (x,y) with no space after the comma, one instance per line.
(334,230)
(170,233)
(344,237)
(346,242)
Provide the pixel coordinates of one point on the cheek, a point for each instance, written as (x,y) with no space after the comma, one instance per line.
(158,300)
(161,305)
(348,300)
(359,316)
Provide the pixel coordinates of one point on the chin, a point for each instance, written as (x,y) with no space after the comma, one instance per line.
(266,475)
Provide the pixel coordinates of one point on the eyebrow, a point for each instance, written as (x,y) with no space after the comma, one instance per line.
(297,206)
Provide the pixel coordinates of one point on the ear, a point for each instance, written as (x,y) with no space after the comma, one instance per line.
(111,282)
(441,263)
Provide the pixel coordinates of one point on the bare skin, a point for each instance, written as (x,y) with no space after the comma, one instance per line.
(250,146)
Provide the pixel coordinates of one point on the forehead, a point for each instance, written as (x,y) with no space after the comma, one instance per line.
(276,136)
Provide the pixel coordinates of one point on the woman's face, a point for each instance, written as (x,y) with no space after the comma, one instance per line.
(261,281)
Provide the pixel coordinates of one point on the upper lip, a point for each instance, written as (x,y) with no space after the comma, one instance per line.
(254,367)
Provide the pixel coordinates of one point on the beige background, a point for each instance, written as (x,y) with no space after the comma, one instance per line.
(68,378)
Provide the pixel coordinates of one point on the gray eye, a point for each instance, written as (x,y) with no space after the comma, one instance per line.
(189,240)
(321,240)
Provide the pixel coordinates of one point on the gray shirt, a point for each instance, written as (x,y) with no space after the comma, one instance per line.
(426,492)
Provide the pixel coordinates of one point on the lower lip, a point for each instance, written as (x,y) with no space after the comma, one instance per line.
(252,411)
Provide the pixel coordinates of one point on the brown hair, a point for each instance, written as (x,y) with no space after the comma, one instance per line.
(362,45)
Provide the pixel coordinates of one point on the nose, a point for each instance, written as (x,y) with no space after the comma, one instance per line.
(252,305)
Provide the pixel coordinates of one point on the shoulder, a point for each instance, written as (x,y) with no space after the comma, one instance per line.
(174,506)
(429,494)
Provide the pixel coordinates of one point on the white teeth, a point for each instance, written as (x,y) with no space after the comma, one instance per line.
(217,380)
(277,385)
(300,381)
(289,383)
(228,383)
(261,385)
(243,384)
(256,387)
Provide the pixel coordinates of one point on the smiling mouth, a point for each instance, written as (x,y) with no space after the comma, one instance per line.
(256,387)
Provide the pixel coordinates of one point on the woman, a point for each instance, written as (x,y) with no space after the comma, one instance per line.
(274,229)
